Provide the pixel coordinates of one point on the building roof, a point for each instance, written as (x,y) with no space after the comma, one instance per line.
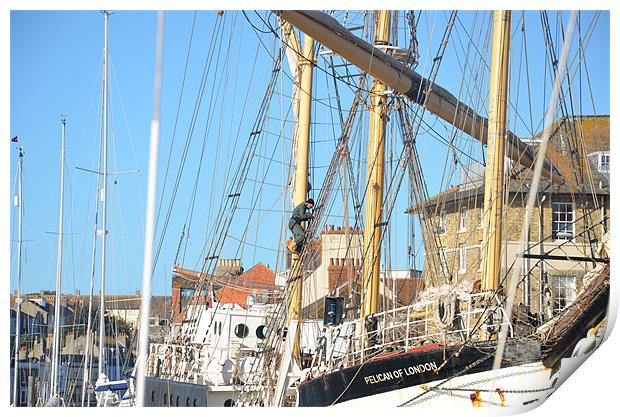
(259,278)
(594,131)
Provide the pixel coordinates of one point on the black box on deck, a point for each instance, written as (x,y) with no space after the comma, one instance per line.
(333,312)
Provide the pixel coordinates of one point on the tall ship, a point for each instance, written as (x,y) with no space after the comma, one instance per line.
(515,287)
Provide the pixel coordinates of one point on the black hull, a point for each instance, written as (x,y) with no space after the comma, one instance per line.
(410,369)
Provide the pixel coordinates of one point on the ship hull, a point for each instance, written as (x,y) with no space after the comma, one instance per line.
(164,393)
(530,370)
(401,377)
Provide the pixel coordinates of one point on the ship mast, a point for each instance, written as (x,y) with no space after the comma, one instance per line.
(300,188)
(494,173)
(57,318)
(376,176)
(104,196)
(20,167)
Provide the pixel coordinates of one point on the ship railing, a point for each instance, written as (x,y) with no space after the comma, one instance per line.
(188,362)
(404,328)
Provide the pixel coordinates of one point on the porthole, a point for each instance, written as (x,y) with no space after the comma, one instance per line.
(241,331)
(229,403)
(261,331)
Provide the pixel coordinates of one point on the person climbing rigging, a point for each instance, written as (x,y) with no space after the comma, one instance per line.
(298,216)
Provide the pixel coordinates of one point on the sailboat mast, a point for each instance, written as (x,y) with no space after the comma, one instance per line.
(300,191)
(18,300)
(57,318)
(494,173)
(376,176)
(104,196)
(89,332)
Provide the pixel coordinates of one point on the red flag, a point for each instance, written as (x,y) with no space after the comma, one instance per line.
(15,139)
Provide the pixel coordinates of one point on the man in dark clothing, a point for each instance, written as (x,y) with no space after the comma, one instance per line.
(294,224)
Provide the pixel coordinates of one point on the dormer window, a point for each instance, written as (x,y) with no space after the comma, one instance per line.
(604,162)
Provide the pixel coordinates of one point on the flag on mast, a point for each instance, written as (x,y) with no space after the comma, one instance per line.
(15,139)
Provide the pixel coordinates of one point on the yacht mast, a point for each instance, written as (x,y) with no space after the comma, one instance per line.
(494,173)
(376,176)
(18,203)
(104,196)
(57,318)
(89,332)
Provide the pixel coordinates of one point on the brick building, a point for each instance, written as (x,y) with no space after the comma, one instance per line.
(230,283)
(569,220)
(338,262)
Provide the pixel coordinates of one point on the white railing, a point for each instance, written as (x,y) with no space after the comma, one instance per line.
(189,363)
(412,326)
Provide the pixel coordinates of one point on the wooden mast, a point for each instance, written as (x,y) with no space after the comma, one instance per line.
(305,66)
(376,175)
(494,173)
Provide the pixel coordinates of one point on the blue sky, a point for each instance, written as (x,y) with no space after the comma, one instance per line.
(56,59)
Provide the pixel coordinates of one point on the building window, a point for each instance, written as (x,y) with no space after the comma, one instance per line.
(463,222)
(462,257)
(604,162)
(442,222)
(564,292)
(562,221)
